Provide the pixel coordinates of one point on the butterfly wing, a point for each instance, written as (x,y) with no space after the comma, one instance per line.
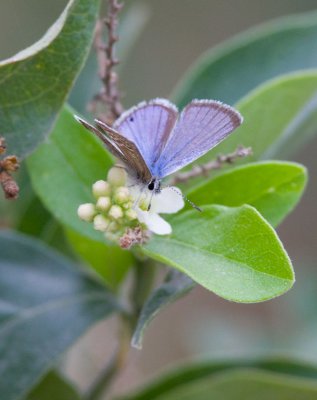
(201,126)
(148,125)
(131,154)
(121,148)
(110,146)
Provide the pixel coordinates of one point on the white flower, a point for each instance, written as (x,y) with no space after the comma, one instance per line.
(168,201)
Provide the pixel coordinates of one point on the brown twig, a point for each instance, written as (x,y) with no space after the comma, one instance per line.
(109,96)
(199,170)
(8,165)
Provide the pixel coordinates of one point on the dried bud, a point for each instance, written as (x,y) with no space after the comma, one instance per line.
(103,203)
(10,163)
(9,186)
(101,188)
(86,212)
(133,236)
(3,147)
(125,242)
(117,176)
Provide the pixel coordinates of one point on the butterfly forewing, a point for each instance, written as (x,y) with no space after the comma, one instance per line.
(201,126)
(131,154)
(148,125)
(110,146)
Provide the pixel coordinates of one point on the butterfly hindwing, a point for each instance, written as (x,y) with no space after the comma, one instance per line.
(201,126)
(148,125)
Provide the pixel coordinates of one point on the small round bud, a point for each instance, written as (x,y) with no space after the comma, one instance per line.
(127,205)
(101,188)
(131,214)
(113,227)
(117,176)
(122,195)
(116,212)
(103,203)
(86,212)
(101,223)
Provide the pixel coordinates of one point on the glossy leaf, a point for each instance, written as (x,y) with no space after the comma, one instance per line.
(233,252)
(54,387)
(110,262)
(191,376)
(35,82)
(175,286)
(229,71)
(47,302)
(272,187)
(64,168)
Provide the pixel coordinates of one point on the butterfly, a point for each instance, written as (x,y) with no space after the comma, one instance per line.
(153,140)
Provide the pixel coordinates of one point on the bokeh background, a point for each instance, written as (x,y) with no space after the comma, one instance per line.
(173,33)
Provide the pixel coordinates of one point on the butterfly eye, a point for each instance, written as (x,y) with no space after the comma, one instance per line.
(151,185)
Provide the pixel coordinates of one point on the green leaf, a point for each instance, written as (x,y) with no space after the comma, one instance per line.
(233,252)
(54,387)
(192,376)
(110,262)
(64,168)
(35,82)
(229,71)
(47,302)
(175,286)
(272,187)
(245,385)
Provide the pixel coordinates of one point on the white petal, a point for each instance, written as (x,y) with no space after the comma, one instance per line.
(169,201)
(154,222)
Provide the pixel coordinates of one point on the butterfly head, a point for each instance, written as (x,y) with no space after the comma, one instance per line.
(155,185)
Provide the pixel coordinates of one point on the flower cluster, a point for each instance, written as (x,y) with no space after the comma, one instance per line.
(122,210)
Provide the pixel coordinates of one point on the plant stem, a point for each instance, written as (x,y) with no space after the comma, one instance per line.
(200,170)
(144,273)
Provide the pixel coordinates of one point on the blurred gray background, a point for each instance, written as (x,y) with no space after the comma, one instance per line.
(200,325)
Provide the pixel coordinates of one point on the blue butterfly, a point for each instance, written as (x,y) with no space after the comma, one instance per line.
(153,140)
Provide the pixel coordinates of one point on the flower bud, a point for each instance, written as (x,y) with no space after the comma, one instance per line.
(101,188)
(101,223)
(131,214)
(115,212)
(86,212)
(122,195)
(117,176)
(103,203)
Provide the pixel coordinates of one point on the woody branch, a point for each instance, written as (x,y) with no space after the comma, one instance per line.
(109,96)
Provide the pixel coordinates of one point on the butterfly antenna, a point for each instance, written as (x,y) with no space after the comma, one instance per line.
(184,197)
